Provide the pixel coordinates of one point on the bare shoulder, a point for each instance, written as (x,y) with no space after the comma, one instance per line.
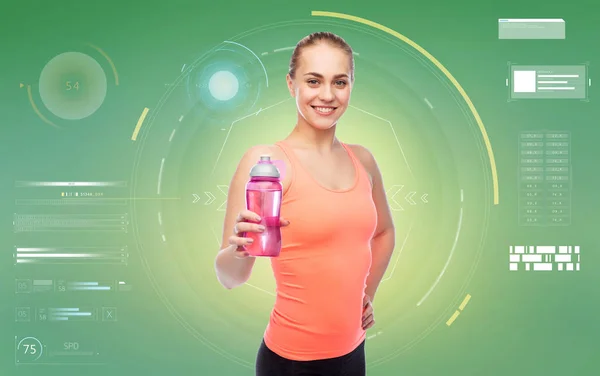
(365,156)
(253,153)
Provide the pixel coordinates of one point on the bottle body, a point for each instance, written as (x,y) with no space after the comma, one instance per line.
(263,197)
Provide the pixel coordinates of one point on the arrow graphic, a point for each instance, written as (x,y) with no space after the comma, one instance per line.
(423,198)
(196,198)
(408,198)
(391,193)
(223,189)
(211,198)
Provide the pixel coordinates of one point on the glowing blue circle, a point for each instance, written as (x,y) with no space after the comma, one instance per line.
(223,85)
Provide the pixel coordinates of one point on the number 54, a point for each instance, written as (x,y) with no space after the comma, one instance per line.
(72,86)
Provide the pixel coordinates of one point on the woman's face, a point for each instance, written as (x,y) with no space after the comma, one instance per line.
(322,85)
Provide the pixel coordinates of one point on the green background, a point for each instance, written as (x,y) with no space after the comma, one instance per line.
(178,320)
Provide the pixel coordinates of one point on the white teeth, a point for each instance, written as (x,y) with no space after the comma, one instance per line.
(324,110)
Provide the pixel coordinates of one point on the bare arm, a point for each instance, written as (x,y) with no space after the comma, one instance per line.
(384,239)
(232,268)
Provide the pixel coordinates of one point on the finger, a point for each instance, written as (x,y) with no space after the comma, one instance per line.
(242,227)
(366,319)
(239,241)
(367,310)
(283,222)
(247,215)
(241,253)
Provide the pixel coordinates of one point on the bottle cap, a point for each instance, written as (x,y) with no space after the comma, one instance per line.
(264,168)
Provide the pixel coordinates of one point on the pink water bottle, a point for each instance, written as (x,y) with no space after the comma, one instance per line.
(263,197)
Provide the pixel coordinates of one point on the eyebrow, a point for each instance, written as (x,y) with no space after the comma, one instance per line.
(321,76)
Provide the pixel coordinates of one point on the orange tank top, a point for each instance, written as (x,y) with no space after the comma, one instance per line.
(323,266)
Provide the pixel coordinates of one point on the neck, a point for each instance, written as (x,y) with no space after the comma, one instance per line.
(308,136)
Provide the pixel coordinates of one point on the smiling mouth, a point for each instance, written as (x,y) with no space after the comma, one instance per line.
(324,110)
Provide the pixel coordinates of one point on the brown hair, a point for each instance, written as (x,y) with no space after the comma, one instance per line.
(314,39)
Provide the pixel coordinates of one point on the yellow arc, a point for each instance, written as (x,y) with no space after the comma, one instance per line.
(439,65)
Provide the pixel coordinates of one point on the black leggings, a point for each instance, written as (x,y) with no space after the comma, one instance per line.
(269,363)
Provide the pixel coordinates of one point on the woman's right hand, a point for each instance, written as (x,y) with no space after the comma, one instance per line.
(245,222)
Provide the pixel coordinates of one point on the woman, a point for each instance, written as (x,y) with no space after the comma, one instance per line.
(337,230)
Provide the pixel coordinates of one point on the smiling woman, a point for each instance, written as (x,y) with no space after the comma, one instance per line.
(337,235)
(319,86)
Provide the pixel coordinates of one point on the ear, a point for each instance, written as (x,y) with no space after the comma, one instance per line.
(290,85)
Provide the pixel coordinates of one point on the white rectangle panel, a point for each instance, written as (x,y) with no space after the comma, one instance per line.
(542,266)
(546,249)
(532,258)
(524,81)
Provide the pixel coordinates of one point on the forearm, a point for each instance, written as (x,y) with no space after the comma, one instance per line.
(382,247)
(232,271)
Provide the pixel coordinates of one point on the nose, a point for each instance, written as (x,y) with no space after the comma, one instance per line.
(326,93)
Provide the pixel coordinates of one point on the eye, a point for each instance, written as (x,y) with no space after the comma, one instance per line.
(312,82)
(340,83)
